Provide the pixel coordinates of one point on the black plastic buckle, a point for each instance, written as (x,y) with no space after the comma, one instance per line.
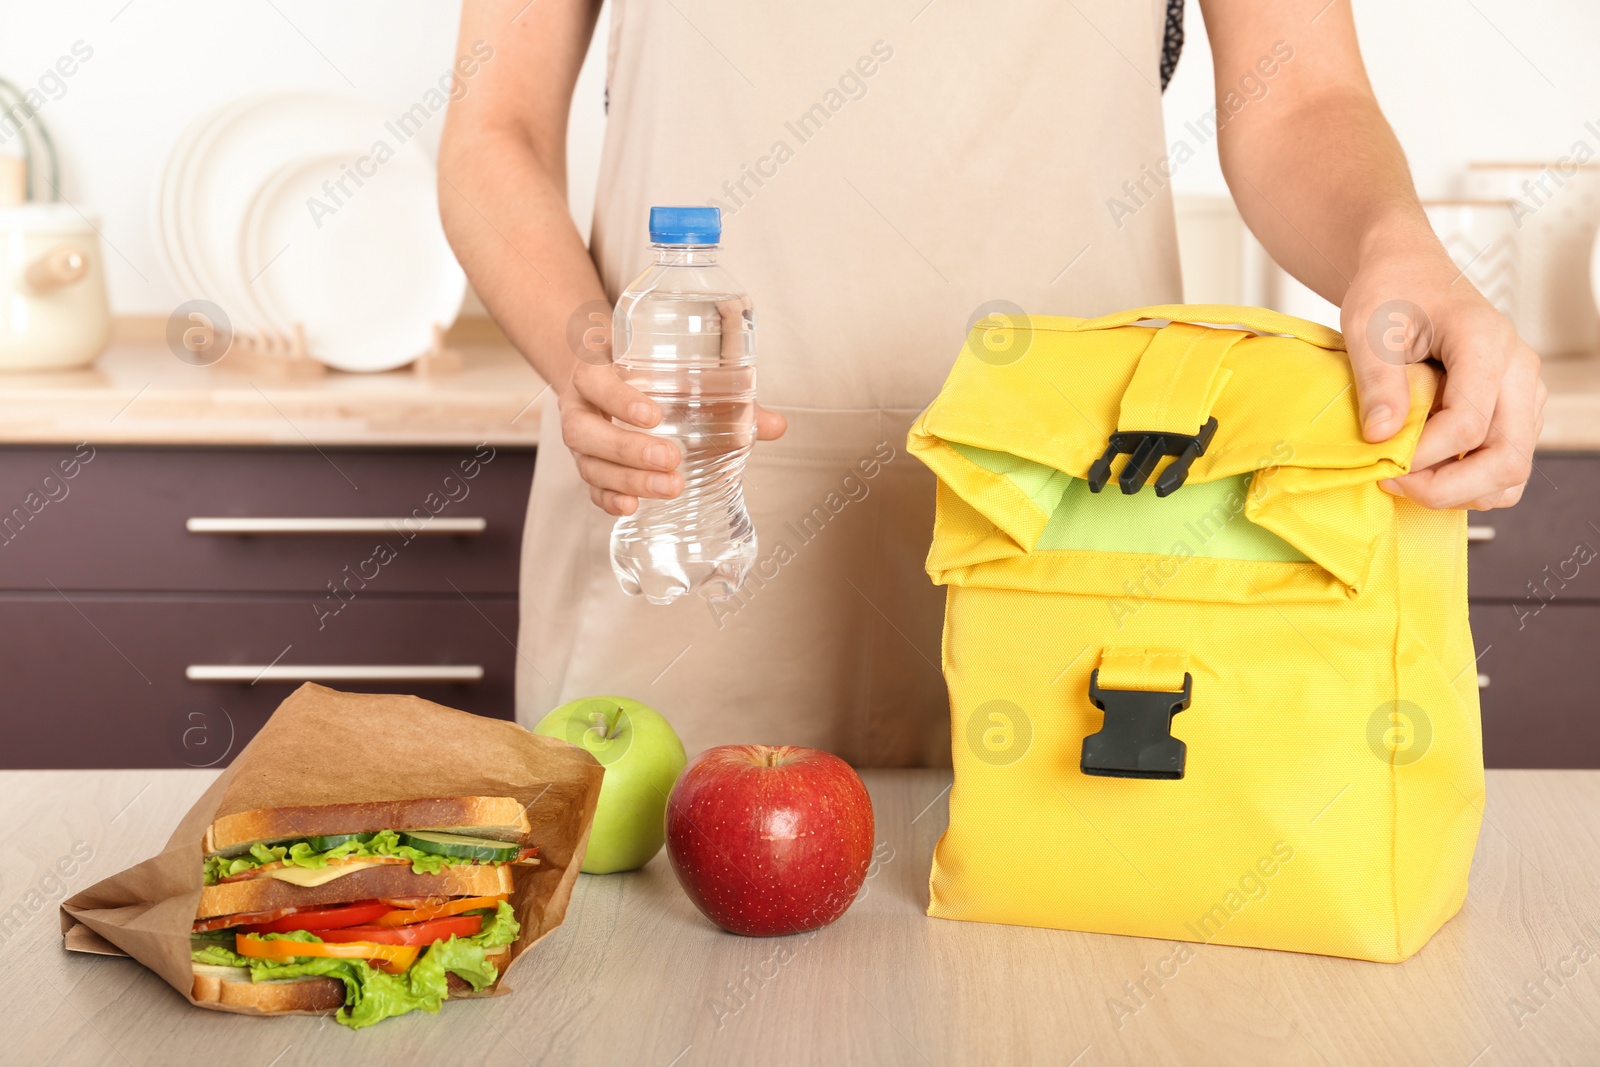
(1135,741)
(1144,449)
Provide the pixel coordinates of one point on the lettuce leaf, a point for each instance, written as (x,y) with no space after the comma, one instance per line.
(301,854)
(370,995)
(216,955)
(499,929)
(461,958)
(425,986)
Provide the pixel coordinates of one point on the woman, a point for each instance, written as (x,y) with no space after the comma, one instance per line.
(886,172)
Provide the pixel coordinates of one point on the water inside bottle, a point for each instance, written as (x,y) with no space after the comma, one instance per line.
(693,353)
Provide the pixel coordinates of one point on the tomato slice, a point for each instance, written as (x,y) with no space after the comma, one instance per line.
(423,933)
(394,959)
(315,919)
(438,911)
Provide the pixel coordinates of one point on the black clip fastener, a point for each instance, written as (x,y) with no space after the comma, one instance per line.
(1135,741)
(1144,449)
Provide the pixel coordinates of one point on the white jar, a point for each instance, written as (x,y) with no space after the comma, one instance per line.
(53,308)
(1555,208)
(1481,237)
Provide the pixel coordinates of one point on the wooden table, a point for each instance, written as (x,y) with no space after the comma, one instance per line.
(637,976)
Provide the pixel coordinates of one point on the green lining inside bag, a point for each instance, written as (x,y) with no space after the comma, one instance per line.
(1205,517)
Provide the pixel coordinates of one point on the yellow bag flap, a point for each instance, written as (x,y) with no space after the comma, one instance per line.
(1039,397)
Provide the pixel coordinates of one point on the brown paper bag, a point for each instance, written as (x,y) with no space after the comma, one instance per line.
(326,747)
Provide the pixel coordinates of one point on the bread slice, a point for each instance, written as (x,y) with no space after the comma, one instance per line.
(496,818)
(216,985)
(232,986)
(390,881)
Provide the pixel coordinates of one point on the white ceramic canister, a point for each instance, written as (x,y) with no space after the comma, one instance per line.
(1481,237)
(1210,249)
(1555,209)
(53,307)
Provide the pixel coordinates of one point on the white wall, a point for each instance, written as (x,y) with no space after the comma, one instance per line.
(156,64)
(1459,81)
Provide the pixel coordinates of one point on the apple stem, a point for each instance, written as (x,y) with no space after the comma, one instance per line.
(770,758)
(610,731)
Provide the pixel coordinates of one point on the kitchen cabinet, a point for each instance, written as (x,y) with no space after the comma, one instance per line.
(128,586)
(1538,705)
(157,603)
(124,521)
(1533,579)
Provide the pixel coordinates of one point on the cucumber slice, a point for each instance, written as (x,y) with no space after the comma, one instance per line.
(460,846)
(324,843)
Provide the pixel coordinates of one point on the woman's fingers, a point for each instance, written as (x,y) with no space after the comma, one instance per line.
(608,393)
(629,481)
(1477,354)
(1393,335)
(621,465)
(613,503)
(588,432)
(769,424)
(1493,475)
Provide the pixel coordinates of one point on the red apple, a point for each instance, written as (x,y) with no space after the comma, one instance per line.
(769,840)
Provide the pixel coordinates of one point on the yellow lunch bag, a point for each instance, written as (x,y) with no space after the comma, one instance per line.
(1208,682)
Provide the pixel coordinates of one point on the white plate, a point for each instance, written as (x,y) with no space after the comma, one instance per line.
(234,156)
(367,279)
(164,203)
(179,194)
(1594,271)
(158,220)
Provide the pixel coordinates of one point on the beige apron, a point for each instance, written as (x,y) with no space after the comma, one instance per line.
(884,172)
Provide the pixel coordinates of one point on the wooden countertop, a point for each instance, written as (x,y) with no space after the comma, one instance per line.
(637,976)
(139,393)
(1572,413)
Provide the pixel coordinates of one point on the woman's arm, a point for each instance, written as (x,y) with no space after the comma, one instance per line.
(503,198)
(1322,181)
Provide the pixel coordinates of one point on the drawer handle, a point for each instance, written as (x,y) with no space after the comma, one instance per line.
(1479,533)
(337,527)
(248,674)
(1483,681)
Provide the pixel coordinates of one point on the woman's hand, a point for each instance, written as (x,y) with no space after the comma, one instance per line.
(619,463)
(1322,181)
(503,199)
(1476,450)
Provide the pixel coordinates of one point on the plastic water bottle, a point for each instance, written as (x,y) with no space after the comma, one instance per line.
(684,335)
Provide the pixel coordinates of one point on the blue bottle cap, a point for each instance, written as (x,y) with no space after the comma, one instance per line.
(685,225)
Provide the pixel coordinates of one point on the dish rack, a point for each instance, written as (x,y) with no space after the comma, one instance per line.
(285,357)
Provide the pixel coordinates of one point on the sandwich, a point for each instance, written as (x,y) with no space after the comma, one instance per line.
(369,910)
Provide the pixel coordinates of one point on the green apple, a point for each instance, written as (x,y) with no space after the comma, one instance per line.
(642,756)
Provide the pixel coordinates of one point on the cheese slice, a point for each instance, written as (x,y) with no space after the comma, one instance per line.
(310,876)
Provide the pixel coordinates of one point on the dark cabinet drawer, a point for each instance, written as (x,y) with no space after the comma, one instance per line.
(1550,539)
(100,680)
(120,521)
(1539,707)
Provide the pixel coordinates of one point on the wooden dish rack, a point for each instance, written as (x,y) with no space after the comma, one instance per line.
(285,357)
